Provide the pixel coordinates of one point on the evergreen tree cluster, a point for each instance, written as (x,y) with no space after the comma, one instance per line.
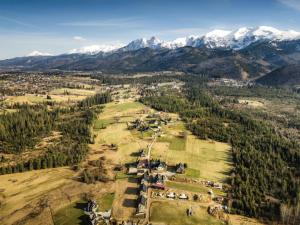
(24,128)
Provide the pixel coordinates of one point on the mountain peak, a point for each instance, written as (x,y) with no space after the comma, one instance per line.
(217,33)
(38,53)
(94,49)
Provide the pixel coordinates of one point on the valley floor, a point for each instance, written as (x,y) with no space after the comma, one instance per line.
(54,196)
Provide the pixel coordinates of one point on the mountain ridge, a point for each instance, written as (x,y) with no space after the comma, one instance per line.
(235,39)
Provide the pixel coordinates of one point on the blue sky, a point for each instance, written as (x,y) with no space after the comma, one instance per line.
(57,26)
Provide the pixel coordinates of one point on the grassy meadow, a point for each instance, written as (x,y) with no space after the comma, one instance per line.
(174,213)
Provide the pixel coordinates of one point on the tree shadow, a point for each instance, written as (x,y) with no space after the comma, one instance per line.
(131,191)
(130,203)
(84,219)
(133,180)
(135,154)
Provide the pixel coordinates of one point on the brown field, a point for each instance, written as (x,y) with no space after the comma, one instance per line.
(252,102)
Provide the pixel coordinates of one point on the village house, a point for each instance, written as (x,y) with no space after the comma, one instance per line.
(180,168)
(142,205)
(142,164)
(158,181)
(158,165)
(132,171)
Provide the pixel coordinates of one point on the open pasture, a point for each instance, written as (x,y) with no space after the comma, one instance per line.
(20,188)
(205,159)
(174,213)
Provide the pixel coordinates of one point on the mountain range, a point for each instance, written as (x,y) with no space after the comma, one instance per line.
(245,53)
(237,39)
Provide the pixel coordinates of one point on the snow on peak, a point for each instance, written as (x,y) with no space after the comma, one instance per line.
(153,43)
(241,32)
(94,49)
(245,36)
(236,40)
(38,53)
(216,38)
(217,34)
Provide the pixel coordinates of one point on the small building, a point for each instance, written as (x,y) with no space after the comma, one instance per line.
(158,165)
(219,199)
(162,166)
(158,186)
(171,195)
(143,187)
(142,153)
(180,168)
(218,186)
(142,205)
(142,163)
(183,196)
(132,171)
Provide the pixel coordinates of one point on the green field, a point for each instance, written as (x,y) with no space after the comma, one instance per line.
(187,187)
(174,213)
(105,202)
(175,143)
(71,91)
(28,98)
(117,132)
(192,173)
(71,215)
(205,159)
(102,123)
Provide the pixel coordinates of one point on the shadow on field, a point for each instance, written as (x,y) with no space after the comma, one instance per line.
(131,191)
(84,219)
(130,203)
(133,180)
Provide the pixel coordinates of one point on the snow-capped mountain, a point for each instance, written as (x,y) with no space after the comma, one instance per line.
(243,37)
(94,49)
(38,53)
(235,40)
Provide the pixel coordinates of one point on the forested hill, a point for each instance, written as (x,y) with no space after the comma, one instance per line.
(286,75)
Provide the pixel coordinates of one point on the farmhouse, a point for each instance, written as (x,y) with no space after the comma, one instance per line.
(218,186)
(180,168)
(158,165)
(142,205)
(142,164)
(132,171)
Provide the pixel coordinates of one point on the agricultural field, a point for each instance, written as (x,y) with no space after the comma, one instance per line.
(199,155)
(71,214)
(174,213)
(27,98)
(17,190)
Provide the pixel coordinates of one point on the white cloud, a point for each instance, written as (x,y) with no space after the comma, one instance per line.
(78,38)
(295,4)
